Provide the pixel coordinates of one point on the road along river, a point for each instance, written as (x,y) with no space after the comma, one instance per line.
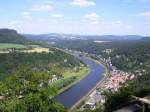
(72,95)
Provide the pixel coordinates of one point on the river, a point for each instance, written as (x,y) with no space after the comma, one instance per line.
(69,97)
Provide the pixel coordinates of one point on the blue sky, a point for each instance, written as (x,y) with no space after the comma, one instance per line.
(119,17)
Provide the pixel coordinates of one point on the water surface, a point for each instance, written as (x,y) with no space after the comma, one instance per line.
(69,97)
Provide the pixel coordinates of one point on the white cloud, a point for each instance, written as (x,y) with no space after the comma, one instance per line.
(92,18)
(146,14)
(116,25)
(57,15)
(42,8)
(26,15)
(13,24)
(83,3)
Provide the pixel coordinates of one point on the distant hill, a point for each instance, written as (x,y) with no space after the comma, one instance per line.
(56,37)
(11,36)
(146,39)
(119,37)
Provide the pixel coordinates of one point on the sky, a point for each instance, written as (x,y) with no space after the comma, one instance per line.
(88,17)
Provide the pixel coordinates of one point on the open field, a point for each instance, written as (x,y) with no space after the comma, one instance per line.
(68,74)
(81,73)
(37,50)
(5,46)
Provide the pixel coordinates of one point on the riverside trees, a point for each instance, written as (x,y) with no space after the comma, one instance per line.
(25,80)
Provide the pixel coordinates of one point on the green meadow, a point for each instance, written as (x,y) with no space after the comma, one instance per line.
(4,46)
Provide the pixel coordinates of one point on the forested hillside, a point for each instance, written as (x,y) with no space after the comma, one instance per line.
(11,36)
(27,80)
(92,46)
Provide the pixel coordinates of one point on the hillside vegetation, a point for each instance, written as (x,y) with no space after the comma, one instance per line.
(11,36)
(5,46)
(29,80)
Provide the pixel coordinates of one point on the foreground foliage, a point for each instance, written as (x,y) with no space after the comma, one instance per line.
(25,80)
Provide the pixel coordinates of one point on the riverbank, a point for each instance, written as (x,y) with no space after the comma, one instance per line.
(84,98)
(72,95)
(80,75)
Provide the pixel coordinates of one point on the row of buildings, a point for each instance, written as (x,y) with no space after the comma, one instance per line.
(112,83)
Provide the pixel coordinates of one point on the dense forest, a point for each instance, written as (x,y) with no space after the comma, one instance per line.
(92,47)
(25,80)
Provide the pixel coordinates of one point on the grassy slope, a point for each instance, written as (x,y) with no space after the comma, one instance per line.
(68,74)
(8,46)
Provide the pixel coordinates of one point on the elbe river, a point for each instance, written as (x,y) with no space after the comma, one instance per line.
(72,95)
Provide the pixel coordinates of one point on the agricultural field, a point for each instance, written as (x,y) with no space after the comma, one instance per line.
(37,50)
(5,46)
